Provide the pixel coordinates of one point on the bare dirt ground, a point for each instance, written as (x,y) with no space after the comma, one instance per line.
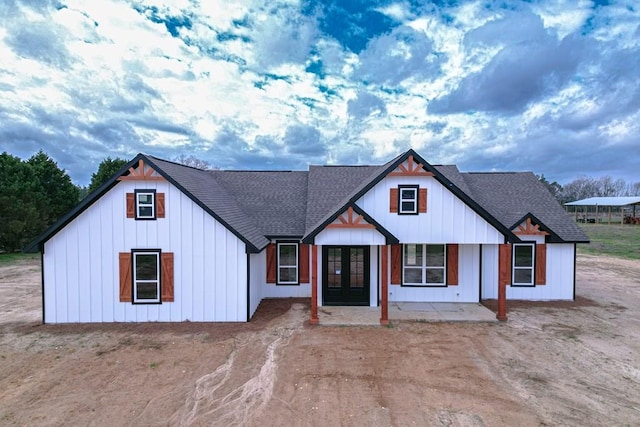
(550,364)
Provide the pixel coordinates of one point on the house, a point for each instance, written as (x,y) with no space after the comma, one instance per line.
(165,242)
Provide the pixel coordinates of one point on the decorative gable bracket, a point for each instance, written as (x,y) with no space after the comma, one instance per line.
(350,219)
(528,228)
(140,174)
(410,168)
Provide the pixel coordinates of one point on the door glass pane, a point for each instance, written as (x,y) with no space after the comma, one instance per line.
(146,266)
(356,265)
(435,255)
(334,267)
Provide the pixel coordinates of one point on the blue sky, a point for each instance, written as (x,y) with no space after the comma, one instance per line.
(547,86)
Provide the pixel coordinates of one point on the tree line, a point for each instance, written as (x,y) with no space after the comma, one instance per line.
(35,193)
(584,187)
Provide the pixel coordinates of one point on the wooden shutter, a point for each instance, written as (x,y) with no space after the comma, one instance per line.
(452,265)
(304,263)
(396,264)
(271,263)
(159,205)
(131,205)
(541,264)
(166,278)
(422,200)
(124,259)
(504,264)
(393,200)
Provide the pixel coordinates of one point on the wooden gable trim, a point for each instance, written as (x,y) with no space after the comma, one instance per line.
(139,174)
(350,220)
(530,229)
(411,169)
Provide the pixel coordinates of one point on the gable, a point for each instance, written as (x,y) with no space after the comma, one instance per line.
(199,186)
(447,219)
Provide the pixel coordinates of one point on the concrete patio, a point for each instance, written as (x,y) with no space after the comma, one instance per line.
(414,311)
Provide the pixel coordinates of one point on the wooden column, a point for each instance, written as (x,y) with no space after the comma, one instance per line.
(502,302)
(384,300)
(314,285)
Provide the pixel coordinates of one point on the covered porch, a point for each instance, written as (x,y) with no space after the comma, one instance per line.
(403,311)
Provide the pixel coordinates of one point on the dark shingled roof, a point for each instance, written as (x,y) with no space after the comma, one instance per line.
(276,201)
(330,188)
(510,196)
(258,205)
(205,188)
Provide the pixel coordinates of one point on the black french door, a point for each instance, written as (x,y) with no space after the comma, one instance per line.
(345,275)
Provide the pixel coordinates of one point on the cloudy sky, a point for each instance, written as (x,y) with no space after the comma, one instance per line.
(550,86)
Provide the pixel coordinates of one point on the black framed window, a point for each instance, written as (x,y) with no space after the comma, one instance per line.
(145,204)
(424,265)
(408,199)
(146,276)
(523,264)
(287,263)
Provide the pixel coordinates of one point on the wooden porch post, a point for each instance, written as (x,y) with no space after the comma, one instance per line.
(314,285)
(502,302)
(384,300)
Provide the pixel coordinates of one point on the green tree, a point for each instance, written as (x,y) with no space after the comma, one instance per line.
(18,212)
(107,168)
(55,194)
(554,187)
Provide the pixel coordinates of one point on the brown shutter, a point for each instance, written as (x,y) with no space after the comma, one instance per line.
(271,263)
(396,264)
(125,276)
(422,200)
(304,263)
(159,205)
(452,264)
(504,264)
(541,264)
(393,200)
(131,205)
(166,278)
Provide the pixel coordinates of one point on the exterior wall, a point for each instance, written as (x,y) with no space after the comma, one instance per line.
(349,236)
(271,290)
(447,220)
(467,290)
(81,277)
(258,277)
(374,276)
(560,275)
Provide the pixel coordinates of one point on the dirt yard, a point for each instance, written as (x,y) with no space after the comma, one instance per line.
(551,364)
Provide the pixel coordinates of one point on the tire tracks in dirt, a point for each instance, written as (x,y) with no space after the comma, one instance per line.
(225,396)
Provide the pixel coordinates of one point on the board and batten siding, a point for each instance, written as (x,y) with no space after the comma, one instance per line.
(81,277)
(271,290)
(350,237)
(447,220)
(559,274)
(467,289)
